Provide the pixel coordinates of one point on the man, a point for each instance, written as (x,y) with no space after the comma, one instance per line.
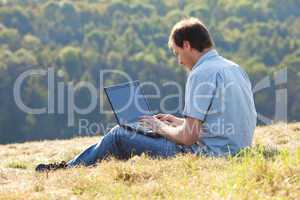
(219,113)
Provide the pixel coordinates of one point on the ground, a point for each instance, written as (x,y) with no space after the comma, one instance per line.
(269,170)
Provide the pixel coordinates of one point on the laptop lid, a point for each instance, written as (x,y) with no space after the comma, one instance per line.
(127,101)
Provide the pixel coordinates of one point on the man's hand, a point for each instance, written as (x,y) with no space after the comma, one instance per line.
(170,119)
(187,131)
(153,123)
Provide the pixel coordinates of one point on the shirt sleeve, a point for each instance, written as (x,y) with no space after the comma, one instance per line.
(199,94)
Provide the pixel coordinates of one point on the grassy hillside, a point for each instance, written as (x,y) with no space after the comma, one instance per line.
(270,170)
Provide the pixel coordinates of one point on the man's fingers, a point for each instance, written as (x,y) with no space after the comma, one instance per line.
(158,116)
(162,117)
(166,122)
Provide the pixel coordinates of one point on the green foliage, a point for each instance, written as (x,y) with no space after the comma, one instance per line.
(79,38)
(31,43)
(10,38)
(71,58)
(17,18)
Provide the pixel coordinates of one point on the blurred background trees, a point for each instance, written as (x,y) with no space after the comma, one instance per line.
(80,38)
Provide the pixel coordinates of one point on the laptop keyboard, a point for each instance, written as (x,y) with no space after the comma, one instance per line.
(139,126)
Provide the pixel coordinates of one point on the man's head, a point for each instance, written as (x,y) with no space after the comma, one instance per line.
(189,40)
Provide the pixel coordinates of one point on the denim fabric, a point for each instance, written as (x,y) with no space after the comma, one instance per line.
(123,144)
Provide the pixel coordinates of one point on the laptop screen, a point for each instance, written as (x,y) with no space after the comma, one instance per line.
(127,101)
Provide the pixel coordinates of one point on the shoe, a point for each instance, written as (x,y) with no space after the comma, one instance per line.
(51,166)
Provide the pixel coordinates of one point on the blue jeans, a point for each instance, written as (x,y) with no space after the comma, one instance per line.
(123,144)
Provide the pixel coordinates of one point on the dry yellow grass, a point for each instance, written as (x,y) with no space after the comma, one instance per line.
(270,170)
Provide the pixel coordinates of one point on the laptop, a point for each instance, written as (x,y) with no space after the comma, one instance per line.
(129,104)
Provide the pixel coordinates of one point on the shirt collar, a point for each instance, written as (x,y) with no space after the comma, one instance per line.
(208,55)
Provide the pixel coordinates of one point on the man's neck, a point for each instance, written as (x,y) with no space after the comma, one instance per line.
(201,54)
(198,55)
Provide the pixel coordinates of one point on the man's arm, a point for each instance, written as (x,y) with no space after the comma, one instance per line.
(187,134)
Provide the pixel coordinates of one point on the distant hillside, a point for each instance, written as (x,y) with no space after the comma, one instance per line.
(270,170)
(79,39)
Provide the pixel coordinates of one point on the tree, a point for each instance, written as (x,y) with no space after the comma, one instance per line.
(11,38)
(71,59)
(31,43)
(16,18)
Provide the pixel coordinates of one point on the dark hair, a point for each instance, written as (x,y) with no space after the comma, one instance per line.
(192,30)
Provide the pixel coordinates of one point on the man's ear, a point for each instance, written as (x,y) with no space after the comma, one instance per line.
(186,44)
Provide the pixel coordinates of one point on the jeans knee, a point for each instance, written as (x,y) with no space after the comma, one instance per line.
(117,133)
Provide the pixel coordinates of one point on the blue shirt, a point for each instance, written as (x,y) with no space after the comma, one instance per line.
(218,92)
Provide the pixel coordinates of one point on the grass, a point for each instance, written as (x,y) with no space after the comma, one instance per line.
(268,170)
(17,165)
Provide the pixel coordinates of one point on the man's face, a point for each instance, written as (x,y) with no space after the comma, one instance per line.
(184,56)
